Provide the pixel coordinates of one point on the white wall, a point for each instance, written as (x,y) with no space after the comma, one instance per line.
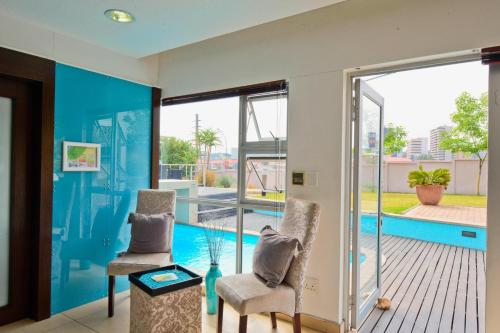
(312,50)
(463,175)
(28,38)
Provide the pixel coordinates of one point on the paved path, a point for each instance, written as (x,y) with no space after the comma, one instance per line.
(474,216)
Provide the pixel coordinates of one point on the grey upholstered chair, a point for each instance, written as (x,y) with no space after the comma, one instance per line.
(148,202)
(247,294)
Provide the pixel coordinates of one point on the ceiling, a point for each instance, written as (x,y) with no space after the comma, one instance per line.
(160,24)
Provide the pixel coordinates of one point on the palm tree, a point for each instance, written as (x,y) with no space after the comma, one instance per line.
(207,138)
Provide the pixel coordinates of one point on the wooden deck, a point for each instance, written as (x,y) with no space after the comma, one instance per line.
(432,287)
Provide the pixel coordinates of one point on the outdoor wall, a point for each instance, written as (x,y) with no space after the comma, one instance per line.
(463,175)
(90,209)
(28,38)
(312,50)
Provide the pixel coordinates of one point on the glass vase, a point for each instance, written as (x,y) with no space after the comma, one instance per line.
(212,275)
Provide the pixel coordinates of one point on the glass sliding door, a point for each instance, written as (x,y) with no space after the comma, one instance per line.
(5,162)
(367,221)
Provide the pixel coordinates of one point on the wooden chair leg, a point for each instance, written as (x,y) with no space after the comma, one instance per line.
(111,296)
(296,323)
(243,324)
(220,315)
(273,320)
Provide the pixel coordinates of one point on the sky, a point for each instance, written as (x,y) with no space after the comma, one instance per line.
(221,114)
(419,100)
(423,99)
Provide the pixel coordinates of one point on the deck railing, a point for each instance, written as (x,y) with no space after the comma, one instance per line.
(179,171)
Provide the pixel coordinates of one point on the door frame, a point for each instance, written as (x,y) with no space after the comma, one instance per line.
(40,73)
(493,211)
(349,75)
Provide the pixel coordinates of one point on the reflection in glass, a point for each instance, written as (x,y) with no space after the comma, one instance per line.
(369,180)
(5,154)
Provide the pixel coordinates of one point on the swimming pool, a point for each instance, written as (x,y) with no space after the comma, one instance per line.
(190,248)
(437,232)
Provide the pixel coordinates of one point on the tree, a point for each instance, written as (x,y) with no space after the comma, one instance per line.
(177,151)
(207,139)
(394,139)
(469,134)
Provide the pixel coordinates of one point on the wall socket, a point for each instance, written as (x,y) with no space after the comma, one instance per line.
(312,284)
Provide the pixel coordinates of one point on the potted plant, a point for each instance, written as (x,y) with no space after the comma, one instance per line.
(214,235)
(429,184)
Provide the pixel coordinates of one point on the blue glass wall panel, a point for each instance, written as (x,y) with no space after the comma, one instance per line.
(91,208)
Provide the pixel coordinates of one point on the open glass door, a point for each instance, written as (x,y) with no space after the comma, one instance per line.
(366,218)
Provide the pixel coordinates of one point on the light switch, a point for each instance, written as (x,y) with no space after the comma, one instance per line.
(297,178)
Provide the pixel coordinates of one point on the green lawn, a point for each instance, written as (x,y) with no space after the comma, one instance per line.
(269,196)
(397,203)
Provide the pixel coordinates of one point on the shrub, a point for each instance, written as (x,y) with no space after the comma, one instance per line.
(210,178)
(422,177)
(224,181)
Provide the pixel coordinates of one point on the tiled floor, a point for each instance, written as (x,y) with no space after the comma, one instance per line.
(474,216)
(92,318)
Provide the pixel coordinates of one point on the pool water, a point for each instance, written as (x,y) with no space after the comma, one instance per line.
(269,213)
(450,234)
(190,248)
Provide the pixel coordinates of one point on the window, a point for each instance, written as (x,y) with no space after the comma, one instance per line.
(199,144)
(266,119)
(225,155)
(263,149)
(265,177)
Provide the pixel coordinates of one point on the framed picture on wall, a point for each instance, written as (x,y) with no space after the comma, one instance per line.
(81,156)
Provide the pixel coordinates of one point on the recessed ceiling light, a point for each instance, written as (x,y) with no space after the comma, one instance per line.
(118,15)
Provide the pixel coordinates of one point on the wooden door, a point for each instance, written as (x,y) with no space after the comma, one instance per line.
(19,169)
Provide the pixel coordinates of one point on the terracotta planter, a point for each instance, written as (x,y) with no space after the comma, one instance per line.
(430,194)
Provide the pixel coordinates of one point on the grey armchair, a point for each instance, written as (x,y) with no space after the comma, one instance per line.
(148,202)
(247,294)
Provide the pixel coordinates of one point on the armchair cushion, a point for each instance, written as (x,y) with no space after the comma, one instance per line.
(273,255)
(128,263)
(247,294)
(150,233)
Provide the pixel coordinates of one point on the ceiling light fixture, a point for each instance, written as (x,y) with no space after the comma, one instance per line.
(118,15)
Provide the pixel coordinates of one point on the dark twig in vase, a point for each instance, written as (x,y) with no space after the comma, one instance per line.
(214,235)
